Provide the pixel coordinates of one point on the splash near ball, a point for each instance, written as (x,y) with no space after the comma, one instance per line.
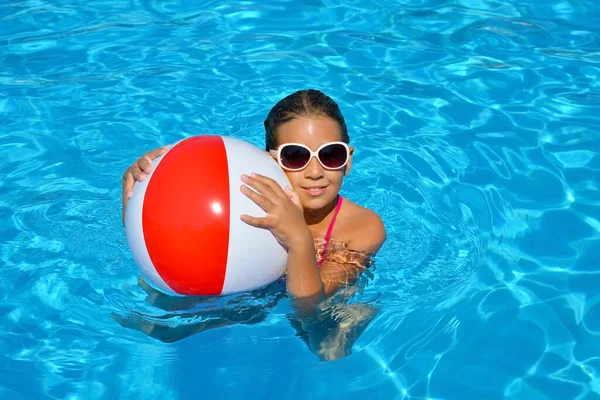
(183,221)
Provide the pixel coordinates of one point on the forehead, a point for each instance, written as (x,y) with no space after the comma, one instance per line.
(310,131)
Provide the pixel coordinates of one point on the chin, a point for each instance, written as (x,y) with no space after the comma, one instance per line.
(315,203)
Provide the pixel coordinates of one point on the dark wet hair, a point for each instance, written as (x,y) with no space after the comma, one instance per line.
(310,102)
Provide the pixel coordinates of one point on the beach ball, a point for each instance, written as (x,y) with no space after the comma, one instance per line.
(183,223)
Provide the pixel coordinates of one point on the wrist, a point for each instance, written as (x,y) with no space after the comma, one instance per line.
(301,242)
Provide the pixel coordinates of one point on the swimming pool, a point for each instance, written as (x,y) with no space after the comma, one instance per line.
(477,135)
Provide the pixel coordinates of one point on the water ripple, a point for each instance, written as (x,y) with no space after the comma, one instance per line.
(475,125)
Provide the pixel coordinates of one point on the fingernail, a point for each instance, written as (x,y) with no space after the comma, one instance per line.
(244,177)
(253,175)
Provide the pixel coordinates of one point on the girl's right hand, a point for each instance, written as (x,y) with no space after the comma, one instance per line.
(137,172)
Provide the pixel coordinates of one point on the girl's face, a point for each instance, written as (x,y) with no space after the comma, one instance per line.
(317,186)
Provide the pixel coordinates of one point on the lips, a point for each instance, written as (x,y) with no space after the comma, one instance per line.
(315,190)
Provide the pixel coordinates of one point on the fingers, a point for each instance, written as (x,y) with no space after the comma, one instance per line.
(293,196)
(138,172)
(128,182)
(260,186)
(158,152)
(267,194)
(261,200)
(270,183)
(127,191)
(144,163)
(289,192)
(258,222)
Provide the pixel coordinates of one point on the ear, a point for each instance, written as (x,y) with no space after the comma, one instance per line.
(348,166)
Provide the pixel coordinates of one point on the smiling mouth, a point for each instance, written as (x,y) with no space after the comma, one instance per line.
(315,190)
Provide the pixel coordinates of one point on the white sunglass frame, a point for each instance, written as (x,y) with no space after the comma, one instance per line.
(313,154)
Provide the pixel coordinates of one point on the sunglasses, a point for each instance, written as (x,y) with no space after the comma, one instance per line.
(296,156)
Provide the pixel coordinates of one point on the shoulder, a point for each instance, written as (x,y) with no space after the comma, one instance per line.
(366,228)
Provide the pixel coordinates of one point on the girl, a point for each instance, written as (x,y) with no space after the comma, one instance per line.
(330,239)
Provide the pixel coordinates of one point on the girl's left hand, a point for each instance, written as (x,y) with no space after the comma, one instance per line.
(285,216)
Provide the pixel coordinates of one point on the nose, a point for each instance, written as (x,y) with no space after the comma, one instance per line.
(314,170)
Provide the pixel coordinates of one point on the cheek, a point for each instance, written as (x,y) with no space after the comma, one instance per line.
(335,177)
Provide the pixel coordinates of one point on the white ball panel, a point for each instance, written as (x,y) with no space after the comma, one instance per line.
(255,257)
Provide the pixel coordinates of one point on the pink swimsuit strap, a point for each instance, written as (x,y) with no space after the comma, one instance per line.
(328,234)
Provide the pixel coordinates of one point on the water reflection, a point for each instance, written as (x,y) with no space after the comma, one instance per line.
(328,328)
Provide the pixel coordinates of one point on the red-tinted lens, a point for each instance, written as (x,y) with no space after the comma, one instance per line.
(294,157)
(333,155)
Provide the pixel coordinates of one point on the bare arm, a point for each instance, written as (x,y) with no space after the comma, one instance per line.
(303,279)
(337,276)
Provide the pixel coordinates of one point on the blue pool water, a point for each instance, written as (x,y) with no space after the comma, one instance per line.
(477,140)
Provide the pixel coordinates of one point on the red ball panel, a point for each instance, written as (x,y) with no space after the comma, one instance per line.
(185,216)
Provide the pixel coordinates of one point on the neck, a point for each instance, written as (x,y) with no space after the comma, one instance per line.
(315,217)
